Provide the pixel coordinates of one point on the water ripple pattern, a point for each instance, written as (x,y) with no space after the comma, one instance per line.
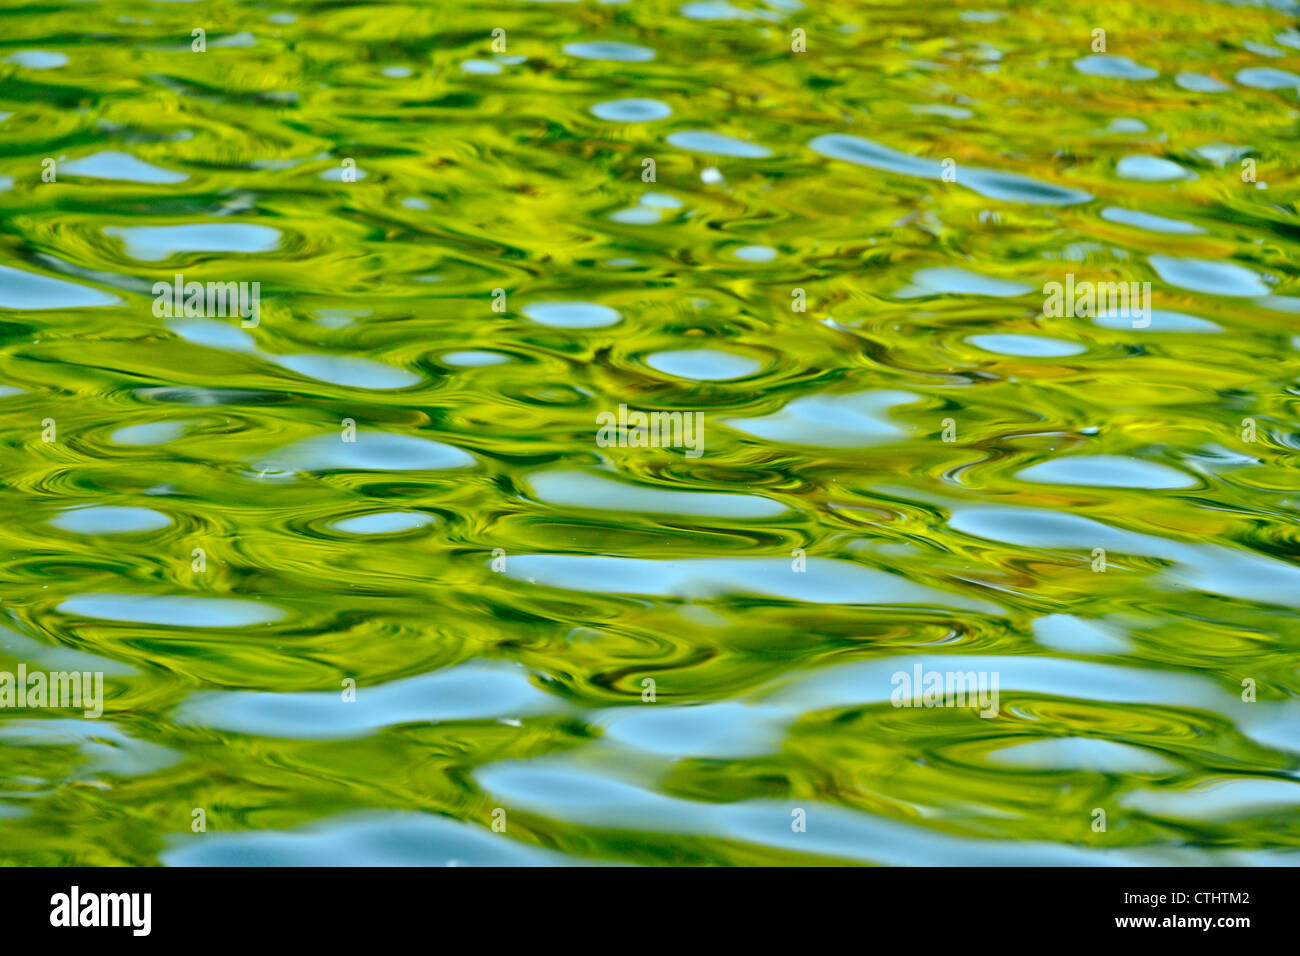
(734,432)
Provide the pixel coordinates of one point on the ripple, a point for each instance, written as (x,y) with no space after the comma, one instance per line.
(120,166)
(350,371)
(862,682)
(705,365)
(148,433)
(1105,471)
(1082,753)
(383,522)
(1161,321)
(986,182)
(344,370)
(942,109)
(372,451)
(109,519)
(335,174)
(661,201)
(635,110)
(103,749)
(1268,78)
(57,657)
(838,832)
(1030,346)
(1217,800)
(466,692)
(715,10)
(211,333)
(474,359)
(1074,635)
(637,216)
(572,315)
(1263,49)
(950,280)
(577,794)
(171,611)
(27,290)
(154,243)
(1116,67)
(719,731)
(1151,169)
(825,581)
(1200,83)
(1201,275)
(1212,568)
(1150,222)
(832,421)
(716,144)
(585,490)
(207,396)
(389,838)
(1126,124)
(756,253)
(610,50)
(1045,529)
(38,59)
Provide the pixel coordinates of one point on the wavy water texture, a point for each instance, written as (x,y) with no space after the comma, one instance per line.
(567,650)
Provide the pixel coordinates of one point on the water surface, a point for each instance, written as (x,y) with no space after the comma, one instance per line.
(463,259)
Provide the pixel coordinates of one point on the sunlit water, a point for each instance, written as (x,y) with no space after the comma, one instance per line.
(573,651)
